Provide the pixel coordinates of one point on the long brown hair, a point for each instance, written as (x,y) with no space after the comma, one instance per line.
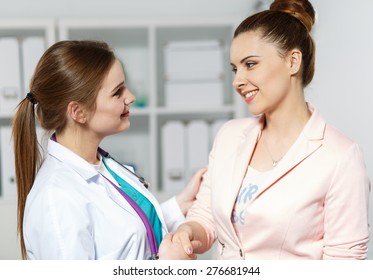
(67,71)
(287,24)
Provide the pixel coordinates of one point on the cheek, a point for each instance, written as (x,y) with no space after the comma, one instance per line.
(275,79)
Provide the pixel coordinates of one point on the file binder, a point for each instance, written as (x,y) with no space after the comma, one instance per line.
(173,156)
(32,49)
(8,181)
(10,81)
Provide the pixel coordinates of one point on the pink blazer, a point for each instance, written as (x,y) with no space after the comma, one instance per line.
(314,204)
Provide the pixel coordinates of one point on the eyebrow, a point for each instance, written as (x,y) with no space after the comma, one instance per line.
(249,56)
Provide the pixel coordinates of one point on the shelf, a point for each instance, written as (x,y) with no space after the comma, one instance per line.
(139,45)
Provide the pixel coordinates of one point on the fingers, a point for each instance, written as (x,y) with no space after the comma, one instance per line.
(170,250)
(198,175)
(192,257)
(183,239)
(196,244)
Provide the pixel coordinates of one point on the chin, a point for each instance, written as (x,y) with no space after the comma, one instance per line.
(255,111)
(126,127)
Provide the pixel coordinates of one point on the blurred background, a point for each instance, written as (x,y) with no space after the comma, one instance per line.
(149,36)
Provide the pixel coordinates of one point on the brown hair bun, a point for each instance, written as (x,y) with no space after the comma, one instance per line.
(300,9)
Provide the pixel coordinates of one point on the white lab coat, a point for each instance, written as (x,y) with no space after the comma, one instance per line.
(72,212)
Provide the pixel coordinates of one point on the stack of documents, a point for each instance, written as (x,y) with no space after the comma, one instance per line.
(194,73)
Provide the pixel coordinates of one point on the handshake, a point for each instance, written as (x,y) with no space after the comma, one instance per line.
(184,244)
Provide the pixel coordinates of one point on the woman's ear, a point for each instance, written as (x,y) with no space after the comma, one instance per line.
(295,61)
(76,112)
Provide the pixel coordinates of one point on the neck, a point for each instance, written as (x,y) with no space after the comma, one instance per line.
(288,121)
(81,144)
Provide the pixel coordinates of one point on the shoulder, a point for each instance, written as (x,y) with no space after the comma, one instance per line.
(56,182)
(337,140)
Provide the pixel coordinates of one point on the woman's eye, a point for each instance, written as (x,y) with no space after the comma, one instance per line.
(234,70)
(250,64)
(118,92)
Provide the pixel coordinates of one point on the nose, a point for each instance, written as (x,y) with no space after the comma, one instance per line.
(239,80)
(129,98)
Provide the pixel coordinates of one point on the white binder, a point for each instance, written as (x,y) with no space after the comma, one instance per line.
(197,146)
(32,50)
(8,181)
(173,157)
(10,81)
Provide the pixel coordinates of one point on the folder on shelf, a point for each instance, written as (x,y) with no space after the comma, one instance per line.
(32,50)
(197,146)
(8,181)
(10,81)
(173,157)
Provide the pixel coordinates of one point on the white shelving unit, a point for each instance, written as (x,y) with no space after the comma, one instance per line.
(139,44)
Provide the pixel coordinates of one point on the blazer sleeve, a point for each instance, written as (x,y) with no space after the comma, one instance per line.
(346,209)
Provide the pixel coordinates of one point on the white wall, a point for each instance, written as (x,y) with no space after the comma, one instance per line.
(343,35)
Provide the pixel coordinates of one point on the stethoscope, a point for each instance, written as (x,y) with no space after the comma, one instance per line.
(149,229)
(105,154)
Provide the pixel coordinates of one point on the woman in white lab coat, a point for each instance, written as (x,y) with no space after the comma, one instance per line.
(78,202)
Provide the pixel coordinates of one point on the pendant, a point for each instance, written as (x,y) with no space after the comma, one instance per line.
(274,163)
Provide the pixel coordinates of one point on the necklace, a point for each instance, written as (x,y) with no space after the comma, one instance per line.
(274,162)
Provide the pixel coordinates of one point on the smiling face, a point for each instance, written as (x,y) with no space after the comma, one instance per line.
(262,75)
(112,104)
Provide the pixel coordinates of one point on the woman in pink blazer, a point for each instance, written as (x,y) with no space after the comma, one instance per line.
(284,184)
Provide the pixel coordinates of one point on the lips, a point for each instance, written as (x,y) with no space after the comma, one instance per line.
(249,96)
(125,114)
